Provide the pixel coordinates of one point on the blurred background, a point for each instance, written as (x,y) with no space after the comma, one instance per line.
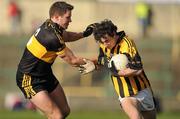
(153,24)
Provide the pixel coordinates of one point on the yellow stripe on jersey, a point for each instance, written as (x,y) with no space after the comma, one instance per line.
(49,57)
(36,48)
(124,47)
(61,52)
(125,86)
(128,46)
(116,85)
(39,51)
(106,51)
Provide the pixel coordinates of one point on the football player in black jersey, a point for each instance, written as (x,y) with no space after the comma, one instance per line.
(131,84)
(34,74)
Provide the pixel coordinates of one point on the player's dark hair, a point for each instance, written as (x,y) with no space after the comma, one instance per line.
(60,8)
(103,28)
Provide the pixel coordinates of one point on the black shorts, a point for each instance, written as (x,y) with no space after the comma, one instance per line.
(31,85)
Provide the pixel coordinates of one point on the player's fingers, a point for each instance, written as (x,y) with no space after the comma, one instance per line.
(81,69)
(85,60)
(81,66)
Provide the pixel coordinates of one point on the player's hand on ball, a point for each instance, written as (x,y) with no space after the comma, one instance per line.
(113,69)
(87,68)
(89,30)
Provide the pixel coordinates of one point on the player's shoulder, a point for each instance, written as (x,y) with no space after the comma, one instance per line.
(46,29)
(47,37)
(46,33)
(127,41)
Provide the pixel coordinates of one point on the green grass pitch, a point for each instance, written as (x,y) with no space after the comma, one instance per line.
(81,115)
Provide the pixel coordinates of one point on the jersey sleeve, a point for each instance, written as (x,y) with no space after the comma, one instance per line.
(128,48)
(49,44)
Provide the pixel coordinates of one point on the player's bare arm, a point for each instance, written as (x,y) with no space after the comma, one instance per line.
(129,72)
(72,36)
(85,65)
(69,57)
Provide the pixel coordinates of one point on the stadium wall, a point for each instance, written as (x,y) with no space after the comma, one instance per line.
(166,16)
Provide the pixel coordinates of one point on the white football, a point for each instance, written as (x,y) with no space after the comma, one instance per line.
(120,61)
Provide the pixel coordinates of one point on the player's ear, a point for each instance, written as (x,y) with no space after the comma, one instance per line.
(56,16)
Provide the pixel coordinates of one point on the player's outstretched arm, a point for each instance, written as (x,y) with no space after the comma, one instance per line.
(69,57)
(73,36)
(84,65)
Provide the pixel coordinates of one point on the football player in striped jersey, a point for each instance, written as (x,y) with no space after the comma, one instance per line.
(34,74)
(131,84)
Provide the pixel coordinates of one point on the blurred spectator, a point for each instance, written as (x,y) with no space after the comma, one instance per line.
(13,101)
(15,15)
(144,15)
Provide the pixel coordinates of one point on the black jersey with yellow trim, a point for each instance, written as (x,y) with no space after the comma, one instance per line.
(42,49)
(131,85)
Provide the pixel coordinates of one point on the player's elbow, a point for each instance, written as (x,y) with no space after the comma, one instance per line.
(73,61)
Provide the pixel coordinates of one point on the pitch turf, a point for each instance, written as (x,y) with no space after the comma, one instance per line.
(81,115)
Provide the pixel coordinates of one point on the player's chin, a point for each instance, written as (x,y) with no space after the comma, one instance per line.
(66,25)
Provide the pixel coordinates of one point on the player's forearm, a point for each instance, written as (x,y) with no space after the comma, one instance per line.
(72,36)
(69,57)
(129,72)
(76,62)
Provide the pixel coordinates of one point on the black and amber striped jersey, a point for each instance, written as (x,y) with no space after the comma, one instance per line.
(42,49)
(131,85)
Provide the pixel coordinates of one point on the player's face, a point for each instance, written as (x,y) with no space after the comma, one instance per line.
(108,41)
(65,19)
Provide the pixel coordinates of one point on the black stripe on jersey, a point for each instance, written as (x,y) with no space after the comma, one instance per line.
(120,87)
(121,34)
(101,57)
(137,83)
(106,50)
(32,65)
(112,50)
(118,49)
(48,39)
(146,78)
(129,86)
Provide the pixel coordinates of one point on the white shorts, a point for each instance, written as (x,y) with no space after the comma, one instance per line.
(145,98)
